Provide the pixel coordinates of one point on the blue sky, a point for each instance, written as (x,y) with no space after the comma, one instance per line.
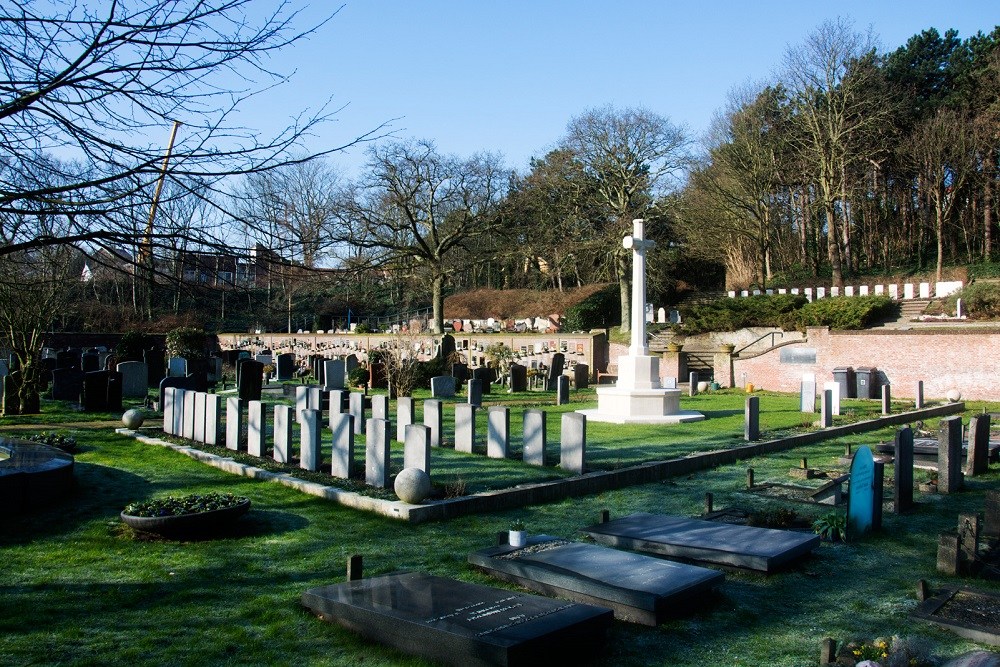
(507,76)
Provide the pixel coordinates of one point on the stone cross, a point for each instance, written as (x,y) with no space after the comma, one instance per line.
(639,246)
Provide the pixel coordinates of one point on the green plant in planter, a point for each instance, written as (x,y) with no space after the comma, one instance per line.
(358,377)
(517,524)
(832,526)
(67,443)
(179,505)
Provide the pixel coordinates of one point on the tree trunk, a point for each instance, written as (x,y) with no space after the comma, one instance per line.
(832,244)
(437,298)
(988,209)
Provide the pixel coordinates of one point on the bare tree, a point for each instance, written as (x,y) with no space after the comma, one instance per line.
(416,207)
(99,86)
(831,78)
(631,154)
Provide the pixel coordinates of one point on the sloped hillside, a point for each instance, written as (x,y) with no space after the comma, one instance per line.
(505,304)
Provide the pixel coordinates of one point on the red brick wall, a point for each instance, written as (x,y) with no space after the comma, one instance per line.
(965,360)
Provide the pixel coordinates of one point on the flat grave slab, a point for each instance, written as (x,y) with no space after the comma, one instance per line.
(640,589)
(710,542)
(969,613)
(929,447)
(461,623)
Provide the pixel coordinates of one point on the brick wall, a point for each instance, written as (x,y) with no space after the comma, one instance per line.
(965,360)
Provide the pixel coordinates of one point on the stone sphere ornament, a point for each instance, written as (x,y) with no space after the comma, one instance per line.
(954,395)
(133,418)
(412,485)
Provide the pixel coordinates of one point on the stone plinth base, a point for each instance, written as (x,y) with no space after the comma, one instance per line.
(640,406)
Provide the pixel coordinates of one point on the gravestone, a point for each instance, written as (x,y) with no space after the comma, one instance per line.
(284,420)
(534,437)
(991,517)
(751,419)
(485,376)
(199,416)
(581,376)
(350,363)
(573,443)
(692,383)
(342,426)
(335,374)
(518,378)
(214,369)
(447,347)
(189,414)
(640,589)
(301,399)
(338,400)
(213,419)
(168,407)
(826,409)
(837,392)
(135,378)
(177,367)
(886,399)
(95,391)
(251,380)
(404,416)
(977,461)
(157,366)
(310,439)
(68,359)
(377,453)
(185,383)
(861,501)
(264,357)
(434,420)
(417,448)
(497,431)
(314,399)
(713,542)
(460,372)
(475,392)
(90,362)
(284,366)
(562,390)
(919,394)
(357,410)
(443,386)
(67,384)
(464,624)
(465,427)
(380,407)
(950,454)
(257,431)
(235,422)
(555,371)
(807,393)
(903,471)
(177,424)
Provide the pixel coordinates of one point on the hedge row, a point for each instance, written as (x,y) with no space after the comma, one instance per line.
(787,312)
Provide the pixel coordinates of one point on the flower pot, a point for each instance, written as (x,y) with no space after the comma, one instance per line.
(517,538)
(184,524)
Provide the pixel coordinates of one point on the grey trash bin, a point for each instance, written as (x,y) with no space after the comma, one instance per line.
(845,376)
(867,379)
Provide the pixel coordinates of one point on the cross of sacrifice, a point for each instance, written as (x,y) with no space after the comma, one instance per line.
(639,246)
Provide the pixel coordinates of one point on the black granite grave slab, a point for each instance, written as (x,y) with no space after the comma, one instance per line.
(973,614)
(929,448)
(640,589)
(749,547)
(460,623)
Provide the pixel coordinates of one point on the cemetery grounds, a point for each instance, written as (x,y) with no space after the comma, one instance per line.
(80,588)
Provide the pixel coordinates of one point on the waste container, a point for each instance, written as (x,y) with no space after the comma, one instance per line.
(845,376)
(867,379)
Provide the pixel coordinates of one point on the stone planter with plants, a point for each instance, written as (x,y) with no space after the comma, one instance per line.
(183,515)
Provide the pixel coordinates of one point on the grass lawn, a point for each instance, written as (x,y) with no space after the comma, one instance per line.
(79,588)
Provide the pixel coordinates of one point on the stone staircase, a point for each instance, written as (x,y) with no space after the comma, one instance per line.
(908,310)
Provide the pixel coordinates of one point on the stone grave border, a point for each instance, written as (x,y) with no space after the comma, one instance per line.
(545,492)
(929,608)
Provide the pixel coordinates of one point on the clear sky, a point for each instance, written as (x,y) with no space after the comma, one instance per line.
(507,76)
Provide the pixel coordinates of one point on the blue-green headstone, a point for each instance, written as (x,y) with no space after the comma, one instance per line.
(861,503)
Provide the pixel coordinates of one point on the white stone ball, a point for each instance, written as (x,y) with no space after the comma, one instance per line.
(703,387)
(954,395)
(412,485)
(133,418)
